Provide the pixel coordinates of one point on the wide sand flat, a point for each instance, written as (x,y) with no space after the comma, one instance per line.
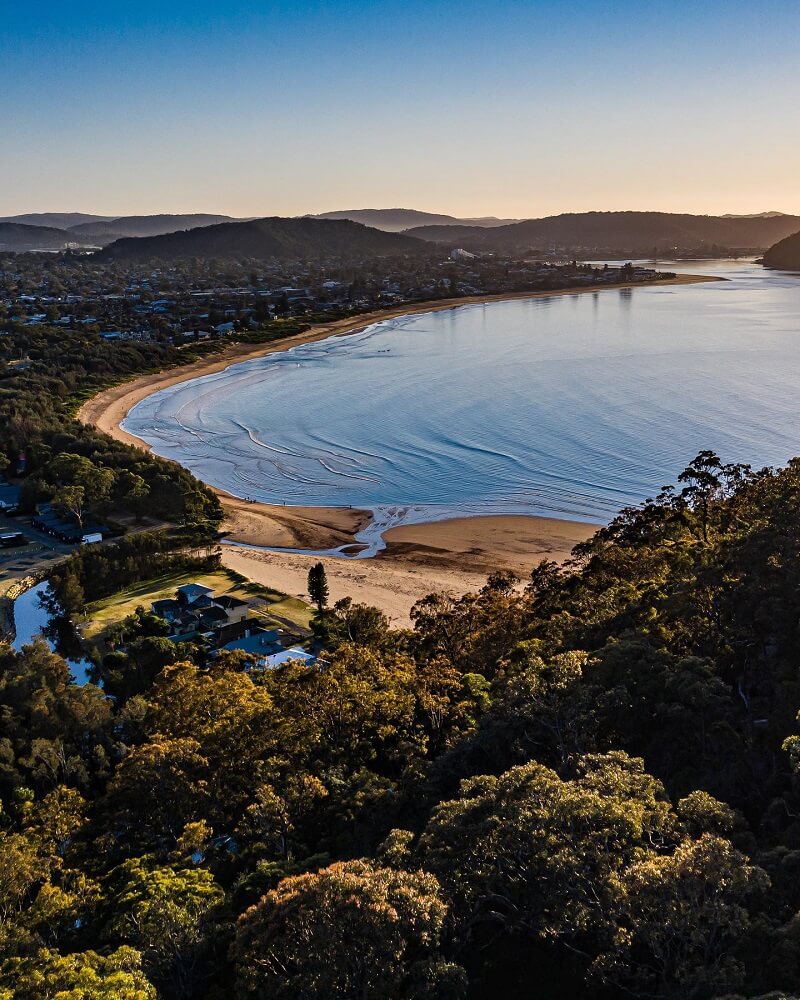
(485,544)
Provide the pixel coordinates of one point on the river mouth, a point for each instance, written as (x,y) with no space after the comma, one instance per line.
(568,406)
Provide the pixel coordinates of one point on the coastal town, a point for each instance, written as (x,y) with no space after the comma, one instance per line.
(203,300)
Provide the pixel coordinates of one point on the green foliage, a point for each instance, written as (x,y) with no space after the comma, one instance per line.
(166,912)
(352,930)
(47,975)
(587,787)
(76,466)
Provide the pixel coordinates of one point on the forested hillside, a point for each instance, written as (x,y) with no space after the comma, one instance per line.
(14,236)
(785,254)
(44,376)
(587,788)
(56,230)
(265,239)
(634,233)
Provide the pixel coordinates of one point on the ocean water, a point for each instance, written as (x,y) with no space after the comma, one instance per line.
(568,406)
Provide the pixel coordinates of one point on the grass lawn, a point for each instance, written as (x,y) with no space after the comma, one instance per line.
(101,615)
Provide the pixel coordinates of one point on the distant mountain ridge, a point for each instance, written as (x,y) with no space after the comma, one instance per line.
(264,239)
(579,234)
(628,231)
(397,220)
(785,254)
(92,230)
(147,225)
(55,220)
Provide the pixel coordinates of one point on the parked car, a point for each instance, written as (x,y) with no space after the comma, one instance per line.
(12,540)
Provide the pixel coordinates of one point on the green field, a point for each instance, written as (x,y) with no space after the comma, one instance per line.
(278,609)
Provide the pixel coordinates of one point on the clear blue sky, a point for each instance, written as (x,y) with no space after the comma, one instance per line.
(503,108)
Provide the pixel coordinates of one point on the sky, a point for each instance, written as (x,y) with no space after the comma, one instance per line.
(513,109)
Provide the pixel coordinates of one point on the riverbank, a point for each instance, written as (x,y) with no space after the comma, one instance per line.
(460,551)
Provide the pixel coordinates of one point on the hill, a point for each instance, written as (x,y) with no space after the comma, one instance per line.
(269,238)
(784,254)
(631,232)
(56,220)
(14,236)
(145,225)
(98,231)
(396,220)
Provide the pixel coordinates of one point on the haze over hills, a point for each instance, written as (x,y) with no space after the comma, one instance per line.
(91,230)
(752,215)
(785,254)
(146,225)
(269,238)
(578,234)
(625,231)
(397,220)
(57,220)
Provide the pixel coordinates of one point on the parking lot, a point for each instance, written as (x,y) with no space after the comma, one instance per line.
(40,553)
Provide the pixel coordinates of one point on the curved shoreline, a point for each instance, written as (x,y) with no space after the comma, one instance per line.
(462,544)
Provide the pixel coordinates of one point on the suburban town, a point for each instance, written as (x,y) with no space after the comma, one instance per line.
(204,300)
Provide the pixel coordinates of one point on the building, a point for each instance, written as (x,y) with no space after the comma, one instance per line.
(190,592)
(223,624)
(294,654)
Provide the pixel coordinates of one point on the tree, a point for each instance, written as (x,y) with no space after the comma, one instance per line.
(533,852)
(358,710)
(351,930)
(167,913)
(21,869)
(702,477)
(71,598)
(53,729)
(159,788)
(358,623)
(230,717)
(318,586)
(136,492)
(681,918)
(46,975)
(71,500)
(76,470)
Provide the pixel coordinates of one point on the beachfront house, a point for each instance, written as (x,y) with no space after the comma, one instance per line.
(223,624)
(267,646)
(236,610)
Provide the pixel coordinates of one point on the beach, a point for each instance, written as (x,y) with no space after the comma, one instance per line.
(453,555)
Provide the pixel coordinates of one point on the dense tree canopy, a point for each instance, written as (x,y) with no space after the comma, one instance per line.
(586,784)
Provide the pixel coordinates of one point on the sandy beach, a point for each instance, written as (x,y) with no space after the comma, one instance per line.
(453,555)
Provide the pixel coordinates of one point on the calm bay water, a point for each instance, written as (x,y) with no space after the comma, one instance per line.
(569,406)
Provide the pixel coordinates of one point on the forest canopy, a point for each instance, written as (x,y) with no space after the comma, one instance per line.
(586,786)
